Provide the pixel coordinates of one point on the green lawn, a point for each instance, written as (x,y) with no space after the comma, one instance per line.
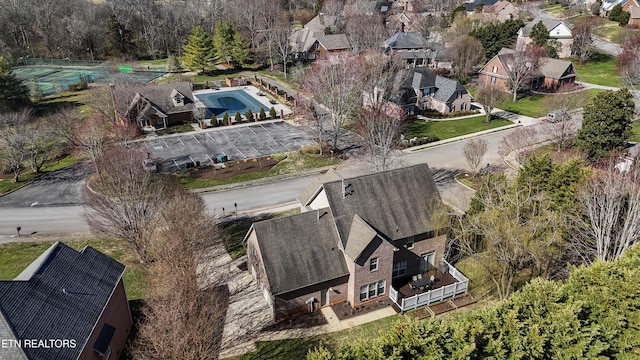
(529,106)
(635,129)
(235,230)
(290,163)
(555,9)
(15,257)
(175,129)
(449,129)
(600,70)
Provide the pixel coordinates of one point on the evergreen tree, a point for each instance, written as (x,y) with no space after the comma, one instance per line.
(223,35)
(539,34)
(262,115)
(35,91)
(496,36)
(225,118)
(606,122)
(238,118)
(14,94)
(173,64)
(272,112)
(615,13)
(240,52)
(198,49)
(249,115)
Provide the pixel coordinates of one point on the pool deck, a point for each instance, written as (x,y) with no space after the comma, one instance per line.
(250,90)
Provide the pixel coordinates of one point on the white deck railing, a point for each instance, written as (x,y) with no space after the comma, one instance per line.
(433,296)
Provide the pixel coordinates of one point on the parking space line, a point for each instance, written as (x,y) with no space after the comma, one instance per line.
(210,137)
(182,142)
(270,148)
(177,166)
(210,159)
(249,127)
(165,143)
(285,146)
(239,133)
(145,144)
(195,139)
(238,150)
(193,161)
(265,129)
(257,152)
(225,135)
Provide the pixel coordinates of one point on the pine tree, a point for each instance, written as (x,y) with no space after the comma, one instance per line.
(240,52)
(223,36)
(225,118)
(13,92)
(238,118)
(198,49)
(173,64)
(249,115)
(272,112)
(118,39)
(262,115)
(35,91)
(539,34)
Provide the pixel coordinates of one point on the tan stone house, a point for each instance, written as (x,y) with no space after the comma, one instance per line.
(73,301)
(355,240)
(558,31)
(500,11)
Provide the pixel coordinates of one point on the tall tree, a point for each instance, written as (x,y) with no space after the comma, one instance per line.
(467,55)
(497,36)
(118,38)
(629,61)
(606,123)
(281,46)
(14,146)
(223,41)
(539,34)
(490,96)
(240,54)
(520,66)
(14,94)
(582,46)
(474,151)
(336,83)
(197,50)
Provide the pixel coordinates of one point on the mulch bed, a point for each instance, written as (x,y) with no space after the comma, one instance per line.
(345,311)
(302,321)
(233,168)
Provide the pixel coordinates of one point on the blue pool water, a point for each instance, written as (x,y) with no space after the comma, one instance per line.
(231,101)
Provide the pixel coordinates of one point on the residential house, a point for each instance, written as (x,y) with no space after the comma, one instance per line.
(500,11)
(315,40)
(356,239)
(558,30)
(157,106)
(404,22)
(416,51)
(421,89)
(634,18)
(627,5)
(67,304)
(550,75)
(405,5)
(477,5)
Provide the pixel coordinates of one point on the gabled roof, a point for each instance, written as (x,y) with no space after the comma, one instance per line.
(309,193)
(406,40)
(446,90)
(396,203)
(495,8)
(556,68)
(550,24)
(158,96)
(607,5)
(300,250)
(320,22)
(334,41)
(60,297)
(360,236)
(471,6)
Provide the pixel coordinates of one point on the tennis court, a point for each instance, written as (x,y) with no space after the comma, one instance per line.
(54,79)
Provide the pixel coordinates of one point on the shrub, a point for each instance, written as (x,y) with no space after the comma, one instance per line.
(238,117)
(272,112)
(249,115)
(262,115)
(431,113)
(225,118)
(78,86)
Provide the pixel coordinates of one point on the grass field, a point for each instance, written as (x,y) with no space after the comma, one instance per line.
(15,257)
(7,184)
(635,130)
(600,70)
(449,129)
(529,106)
(290,163)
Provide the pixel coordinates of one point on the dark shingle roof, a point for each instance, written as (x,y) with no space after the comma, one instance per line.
(333,42)
(471,6)
(420,78)
(63,298)
(396,203)
(158,95)
(300,250)
(550,24)
(406,40)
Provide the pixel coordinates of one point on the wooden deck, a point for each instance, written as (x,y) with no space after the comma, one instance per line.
(441,280)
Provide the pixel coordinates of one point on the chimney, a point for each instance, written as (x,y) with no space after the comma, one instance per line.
(321,18)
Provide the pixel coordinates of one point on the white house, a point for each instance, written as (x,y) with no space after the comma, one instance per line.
(557,30)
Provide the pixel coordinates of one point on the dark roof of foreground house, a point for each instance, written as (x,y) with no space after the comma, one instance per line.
(446,90)
(158,97)
(300,250)
(333,42)
(61,295)
(406,40)
(396,204)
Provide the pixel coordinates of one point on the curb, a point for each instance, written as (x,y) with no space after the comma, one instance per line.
(461,183)
(459,138)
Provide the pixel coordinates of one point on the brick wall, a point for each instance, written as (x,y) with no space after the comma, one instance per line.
(362,275)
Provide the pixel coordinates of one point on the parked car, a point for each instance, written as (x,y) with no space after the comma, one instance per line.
(557,116)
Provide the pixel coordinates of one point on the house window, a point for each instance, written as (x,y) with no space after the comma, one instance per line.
(372,290)
(373,264)
(493,79)
(410,243)
(495,69)
(316,45)
(463,106)
(399,269)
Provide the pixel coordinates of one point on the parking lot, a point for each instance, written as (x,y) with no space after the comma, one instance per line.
(237,142)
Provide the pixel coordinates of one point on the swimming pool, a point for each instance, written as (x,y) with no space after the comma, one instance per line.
(231,101)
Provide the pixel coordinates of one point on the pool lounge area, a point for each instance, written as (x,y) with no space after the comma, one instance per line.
(234,100)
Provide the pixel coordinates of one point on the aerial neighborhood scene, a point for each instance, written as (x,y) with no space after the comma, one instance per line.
(319,179)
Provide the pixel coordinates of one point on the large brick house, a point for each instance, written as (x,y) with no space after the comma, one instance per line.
(157,106)
(315,40)
(353,240)
(550,75)
(73,303)
(627,5)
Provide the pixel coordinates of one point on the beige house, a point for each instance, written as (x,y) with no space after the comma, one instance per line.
(500,11)
(558,30)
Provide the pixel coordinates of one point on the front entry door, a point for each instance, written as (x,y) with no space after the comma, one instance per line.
(426,261)
(324,297)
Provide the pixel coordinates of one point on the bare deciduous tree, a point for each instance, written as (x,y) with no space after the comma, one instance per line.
(566,128)
(518,140)
(364,31)
(336,82)
(309,113)
(582,47)
(474,151)
(490,96)
(609,221)
(279,38)
(520,66)
(124,199)
(13,140)
(467,54)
